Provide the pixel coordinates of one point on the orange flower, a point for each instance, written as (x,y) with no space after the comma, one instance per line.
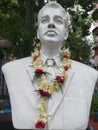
(66,56)
(35,57)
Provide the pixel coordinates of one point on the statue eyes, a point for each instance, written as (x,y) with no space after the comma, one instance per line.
(44,21)
(55,20)
(58,21)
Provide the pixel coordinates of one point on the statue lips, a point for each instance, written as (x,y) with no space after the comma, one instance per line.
(51,33)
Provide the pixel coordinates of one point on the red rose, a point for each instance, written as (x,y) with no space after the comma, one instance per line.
(60,79)
(66,67)
(66,56)
(38,70)
(44,93)
(41,92)
(40,124)
(35,57)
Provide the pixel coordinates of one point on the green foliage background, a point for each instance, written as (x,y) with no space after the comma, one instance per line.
(18,23)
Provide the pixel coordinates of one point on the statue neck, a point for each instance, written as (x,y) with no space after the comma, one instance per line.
(50,50)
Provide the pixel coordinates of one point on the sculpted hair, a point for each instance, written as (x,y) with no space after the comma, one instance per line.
(54,5)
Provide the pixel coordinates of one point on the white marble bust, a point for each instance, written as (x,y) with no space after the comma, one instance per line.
(68,109)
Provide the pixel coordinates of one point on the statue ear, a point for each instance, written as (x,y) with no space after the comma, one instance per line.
(38,33)
(66,35)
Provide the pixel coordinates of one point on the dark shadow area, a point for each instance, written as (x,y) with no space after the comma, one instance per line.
(6,122)
(6,125)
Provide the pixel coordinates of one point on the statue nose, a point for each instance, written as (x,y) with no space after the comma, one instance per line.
(51,26)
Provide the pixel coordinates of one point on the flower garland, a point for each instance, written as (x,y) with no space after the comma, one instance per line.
(45,88)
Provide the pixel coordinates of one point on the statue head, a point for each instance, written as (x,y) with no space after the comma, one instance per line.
(52,23)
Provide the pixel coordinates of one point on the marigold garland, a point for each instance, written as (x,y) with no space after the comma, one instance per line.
(45,88)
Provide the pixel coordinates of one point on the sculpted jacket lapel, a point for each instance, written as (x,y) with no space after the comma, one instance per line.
(57,97)
(30,73)
(68,81)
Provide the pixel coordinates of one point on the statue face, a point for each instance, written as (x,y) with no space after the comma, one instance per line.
(52,26)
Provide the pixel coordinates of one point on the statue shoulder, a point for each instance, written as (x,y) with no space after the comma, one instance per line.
(16,65)
(84,70)
(15,72)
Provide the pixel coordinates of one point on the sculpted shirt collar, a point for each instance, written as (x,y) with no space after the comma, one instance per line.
(56,59)
(29,70)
